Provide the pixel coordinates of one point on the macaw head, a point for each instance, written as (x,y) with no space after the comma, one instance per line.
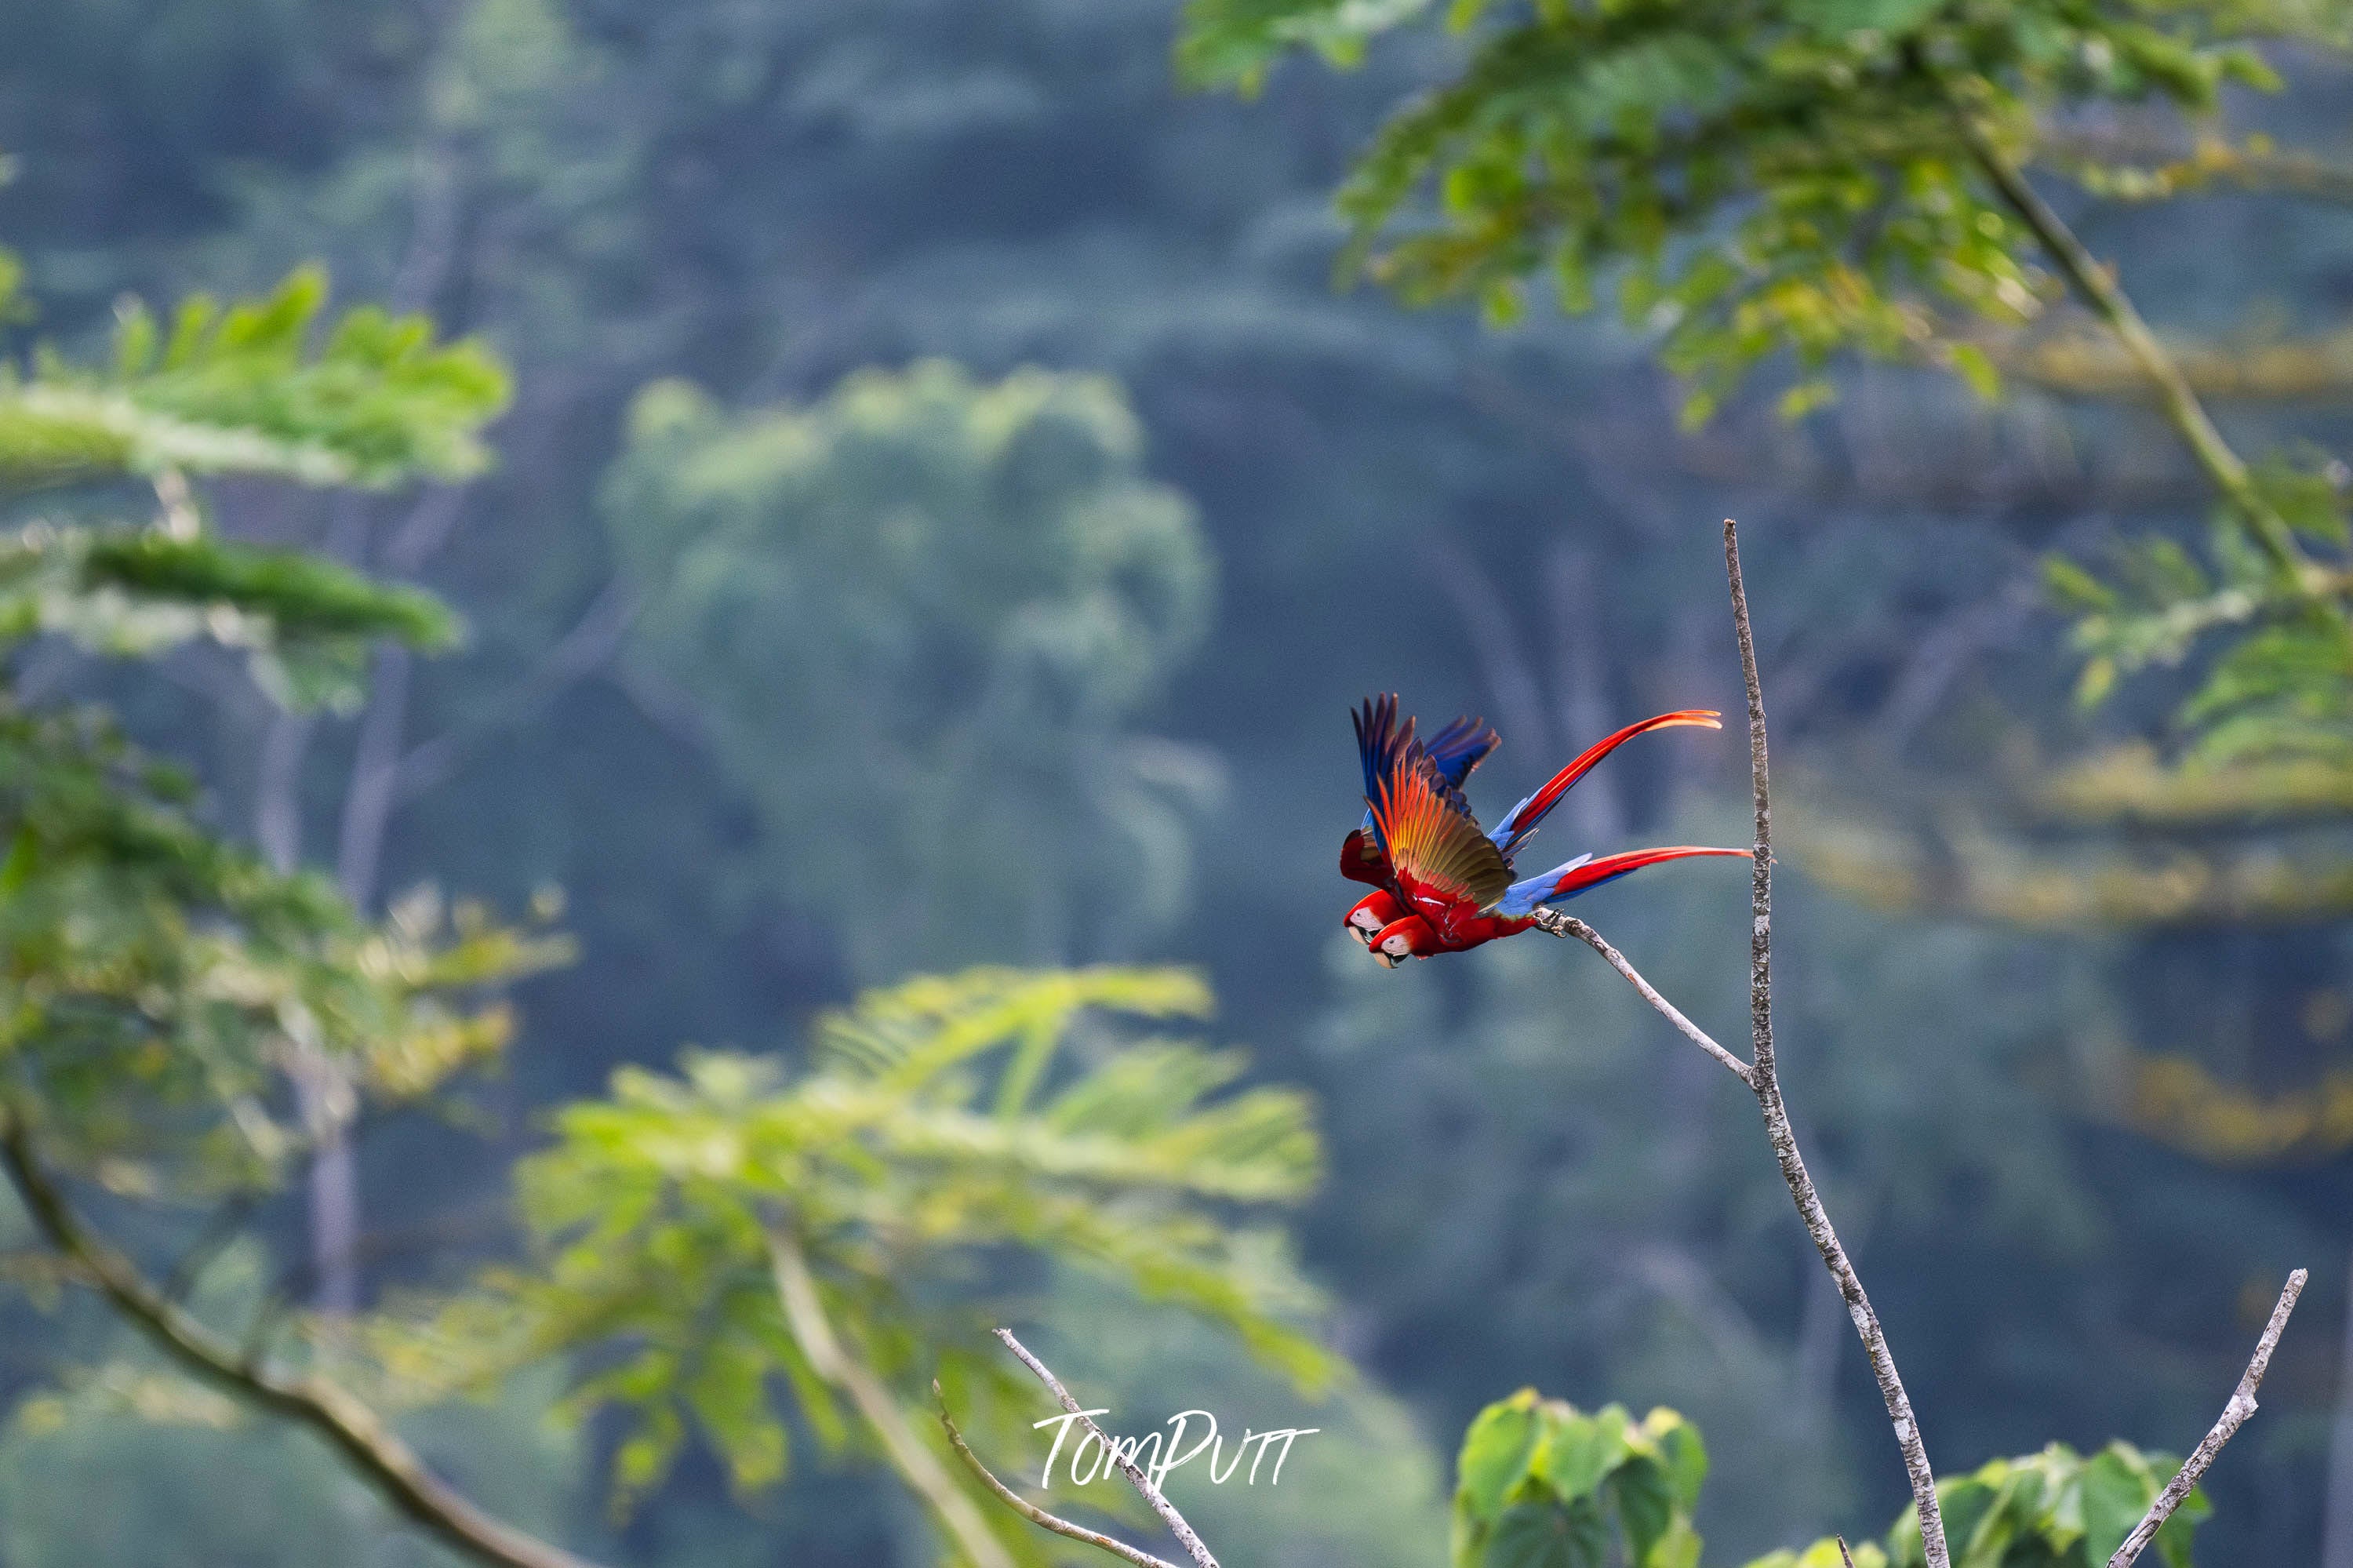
(1409,938)
(1373,912)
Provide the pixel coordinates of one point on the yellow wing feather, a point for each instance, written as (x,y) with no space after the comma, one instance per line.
(1434,842)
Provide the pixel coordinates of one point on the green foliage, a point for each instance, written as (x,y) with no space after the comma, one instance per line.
(945,1122)
(304,622)
(938,607)
(2052,1509)
(153,978)
(1540,1485)
(252,388)
(1755,177)
(2279,684)
(1804,178)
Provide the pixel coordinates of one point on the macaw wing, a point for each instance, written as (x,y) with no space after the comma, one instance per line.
(1461,746)
(1433,841)
(1382,738)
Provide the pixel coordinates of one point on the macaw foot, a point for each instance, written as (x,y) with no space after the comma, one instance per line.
(1550,919)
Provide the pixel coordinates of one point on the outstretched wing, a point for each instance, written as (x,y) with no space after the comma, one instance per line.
(1460,746)
(1381,739)
(1433,842)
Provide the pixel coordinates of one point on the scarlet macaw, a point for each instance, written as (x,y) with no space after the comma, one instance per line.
(1445,886)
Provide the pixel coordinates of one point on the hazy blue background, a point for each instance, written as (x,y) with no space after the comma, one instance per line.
(774,735)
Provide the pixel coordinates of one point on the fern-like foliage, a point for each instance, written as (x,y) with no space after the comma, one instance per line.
(949,1128)
(261,387)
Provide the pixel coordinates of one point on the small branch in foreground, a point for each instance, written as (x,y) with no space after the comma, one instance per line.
(1128,1467)
(1561,924)
(1764,1080)
(1032,1511)
(2235,1416)
(373,1449)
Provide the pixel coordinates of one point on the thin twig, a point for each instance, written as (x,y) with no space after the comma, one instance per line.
(1032,1511)
(1561,924)
(589,645)
(226,1223)
(832,1361)
(1128,1467)
(2099,290)
(1764,1080)
(374,1449)
(2235,1416)
(1845,1556)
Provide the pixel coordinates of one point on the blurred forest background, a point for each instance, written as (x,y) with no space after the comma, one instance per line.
(944,513)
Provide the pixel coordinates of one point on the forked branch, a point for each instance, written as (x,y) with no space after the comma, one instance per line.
(1763,1081)
(1127,1465)
(1766,1083)
(1032,1511)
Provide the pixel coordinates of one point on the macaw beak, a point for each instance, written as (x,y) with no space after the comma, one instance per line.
(1363,937)
(1386,962)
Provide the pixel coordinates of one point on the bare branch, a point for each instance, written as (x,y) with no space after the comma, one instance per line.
(1561,924)
(1128,1467)
(1032,1511)
(1845,1556)
(375,1451)
(224,1226)
(2235,1416)
(1765,1080)
(588,646)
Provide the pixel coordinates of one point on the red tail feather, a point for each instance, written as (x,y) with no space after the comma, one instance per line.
(1525,817)
(1577,878)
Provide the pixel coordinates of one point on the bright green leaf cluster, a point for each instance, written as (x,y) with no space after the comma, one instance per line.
(2053,1510)
(1541,1484)
(256,389)
(949,1123)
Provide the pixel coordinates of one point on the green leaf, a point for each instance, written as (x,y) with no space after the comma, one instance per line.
(1645,1499)
(2117,1490)
(1544,1534)
(1683,1451)
(1497,1451)
(1579,1450)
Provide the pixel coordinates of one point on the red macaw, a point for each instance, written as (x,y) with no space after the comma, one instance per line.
(1448,885)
